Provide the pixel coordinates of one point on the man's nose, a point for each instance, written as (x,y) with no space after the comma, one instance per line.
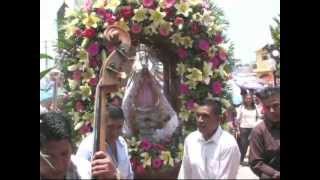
(200,119)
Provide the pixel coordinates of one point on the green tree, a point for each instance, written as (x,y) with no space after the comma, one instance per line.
(275,32)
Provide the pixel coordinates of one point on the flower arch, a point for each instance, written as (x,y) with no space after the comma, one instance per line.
(190,30)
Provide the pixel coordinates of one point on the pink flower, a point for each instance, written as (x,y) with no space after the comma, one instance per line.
(93,81)
(222,55)
(140,170)
(204,45)
(93,49)
(136,28)
(184,88)
(169,3)
(157,163)
(145,144)
(89,33)
(190,104)
(86,128)
(163,31)
(215,62)
(126,12)
(109,17)
(79,106)
(148,3)
(217,88)
(195,28)
(182,53)
(76,75)
(87,5)
(218,38)
(178,21)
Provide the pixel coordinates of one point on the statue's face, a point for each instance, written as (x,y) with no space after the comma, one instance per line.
(148,122)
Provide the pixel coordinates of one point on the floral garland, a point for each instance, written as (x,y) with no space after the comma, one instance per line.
(190,29)
(148,157)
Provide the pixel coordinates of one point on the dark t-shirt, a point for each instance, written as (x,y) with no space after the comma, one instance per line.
(264,154)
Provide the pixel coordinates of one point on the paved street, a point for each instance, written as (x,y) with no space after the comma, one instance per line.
(245,172)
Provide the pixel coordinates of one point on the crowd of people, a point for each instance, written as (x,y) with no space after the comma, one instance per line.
(209,152)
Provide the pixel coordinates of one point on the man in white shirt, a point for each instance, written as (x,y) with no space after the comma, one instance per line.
(117,150)
(209,152)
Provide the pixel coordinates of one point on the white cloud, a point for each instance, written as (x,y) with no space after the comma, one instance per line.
(249,24)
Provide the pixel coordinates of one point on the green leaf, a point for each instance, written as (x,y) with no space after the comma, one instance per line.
(45,56)
(45,72)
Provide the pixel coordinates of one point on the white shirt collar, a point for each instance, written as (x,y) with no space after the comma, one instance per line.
(214,138)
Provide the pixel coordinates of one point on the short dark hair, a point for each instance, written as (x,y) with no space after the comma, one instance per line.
(115,112)
(216,104)
(54,126)
(268,92)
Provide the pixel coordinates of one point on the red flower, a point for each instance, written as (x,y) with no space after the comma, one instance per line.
(89,33)
(217,88)
(79,106)
(93,81)
(184,88)
(136,28)
(76,75)
(148,3)
(101,12)
(182,53)
(169,3)
(218,38)
(204,45)
(157,163)
(178,21)
(145,144)
(126,12)
(195,28)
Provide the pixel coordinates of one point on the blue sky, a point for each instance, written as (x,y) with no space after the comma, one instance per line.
(248,30)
